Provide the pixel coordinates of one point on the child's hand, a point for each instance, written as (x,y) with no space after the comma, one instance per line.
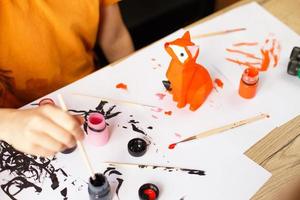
(41,131)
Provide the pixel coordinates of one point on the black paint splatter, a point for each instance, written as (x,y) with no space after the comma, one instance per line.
(125,127)
(64,193)
(133,122)
(21,183)
(136,129)
(150,127)
(120,182)
(194,171)
(172,169)
(112,170)
(28,170)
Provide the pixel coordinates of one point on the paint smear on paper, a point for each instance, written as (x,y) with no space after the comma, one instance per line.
(269,53)
(168,112)
(245,44)
(248,55)
(177,135)
(155,117)
(161,96)
(156,109)
(247,64)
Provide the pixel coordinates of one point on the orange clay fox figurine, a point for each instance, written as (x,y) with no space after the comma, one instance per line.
(190,82)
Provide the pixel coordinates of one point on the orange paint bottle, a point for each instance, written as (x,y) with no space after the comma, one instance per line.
(249,82)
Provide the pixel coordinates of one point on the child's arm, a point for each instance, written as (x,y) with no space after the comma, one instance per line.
(114,38)
(41,131)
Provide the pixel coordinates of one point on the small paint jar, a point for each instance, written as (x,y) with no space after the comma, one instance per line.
(148,191)
(99,188)
(137,147)
(97,131)
(249,83)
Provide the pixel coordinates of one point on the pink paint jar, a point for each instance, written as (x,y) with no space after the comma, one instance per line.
(97,131)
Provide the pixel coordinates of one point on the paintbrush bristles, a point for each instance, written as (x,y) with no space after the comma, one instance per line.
(79,144)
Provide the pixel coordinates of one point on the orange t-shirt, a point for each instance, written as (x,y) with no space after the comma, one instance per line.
(45,45)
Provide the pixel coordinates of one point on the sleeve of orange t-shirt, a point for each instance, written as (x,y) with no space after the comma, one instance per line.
(109,2)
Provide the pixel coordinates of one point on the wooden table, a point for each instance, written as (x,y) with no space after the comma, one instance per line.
(279,151)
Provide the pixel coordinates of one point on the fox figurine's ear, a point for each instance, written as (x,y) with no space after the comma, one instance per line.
(194,51)
(187,36)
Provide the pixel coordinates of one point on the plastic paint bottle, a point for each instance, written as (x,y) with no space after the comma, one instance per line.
(97,131)
(99,188)
(249,82)
(294,64)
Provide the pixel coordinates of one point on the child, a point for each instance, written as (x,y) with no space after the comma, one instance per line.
(45,45)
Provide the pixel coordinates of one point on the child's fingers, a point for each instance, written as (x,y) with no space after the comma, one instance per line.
(63,119)
(55,131)
(47,142)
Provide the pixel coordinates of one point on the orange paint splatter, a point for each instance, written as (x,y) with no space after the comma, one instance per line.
(245,44)
(266,60)
(168,112)
(249,55)
(270,53)
(273,54)
(219,83)
(247,64)
(121,86)
(156,109)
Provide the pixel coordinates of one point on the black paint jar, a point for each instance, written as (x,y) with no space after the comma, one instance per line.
(99,188)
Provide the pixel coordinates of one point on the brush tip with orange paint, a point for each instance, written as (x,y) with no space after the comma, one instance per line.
(249,83)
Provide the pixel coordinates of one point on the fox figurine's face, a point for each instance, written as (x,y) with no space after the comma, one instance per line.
(182,49)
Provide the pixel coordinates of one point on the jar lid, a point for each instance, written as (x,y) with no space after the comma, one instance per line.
(137,147)
(148,191)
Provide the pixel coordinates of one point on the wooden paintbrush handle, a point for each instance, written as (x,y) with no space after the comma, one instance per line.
(230,126)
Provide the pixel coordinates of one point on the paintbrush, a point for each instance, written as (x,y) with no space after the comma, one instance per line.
(79,144)
(221,129)
(115,100)
(218,33)
(144,166)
